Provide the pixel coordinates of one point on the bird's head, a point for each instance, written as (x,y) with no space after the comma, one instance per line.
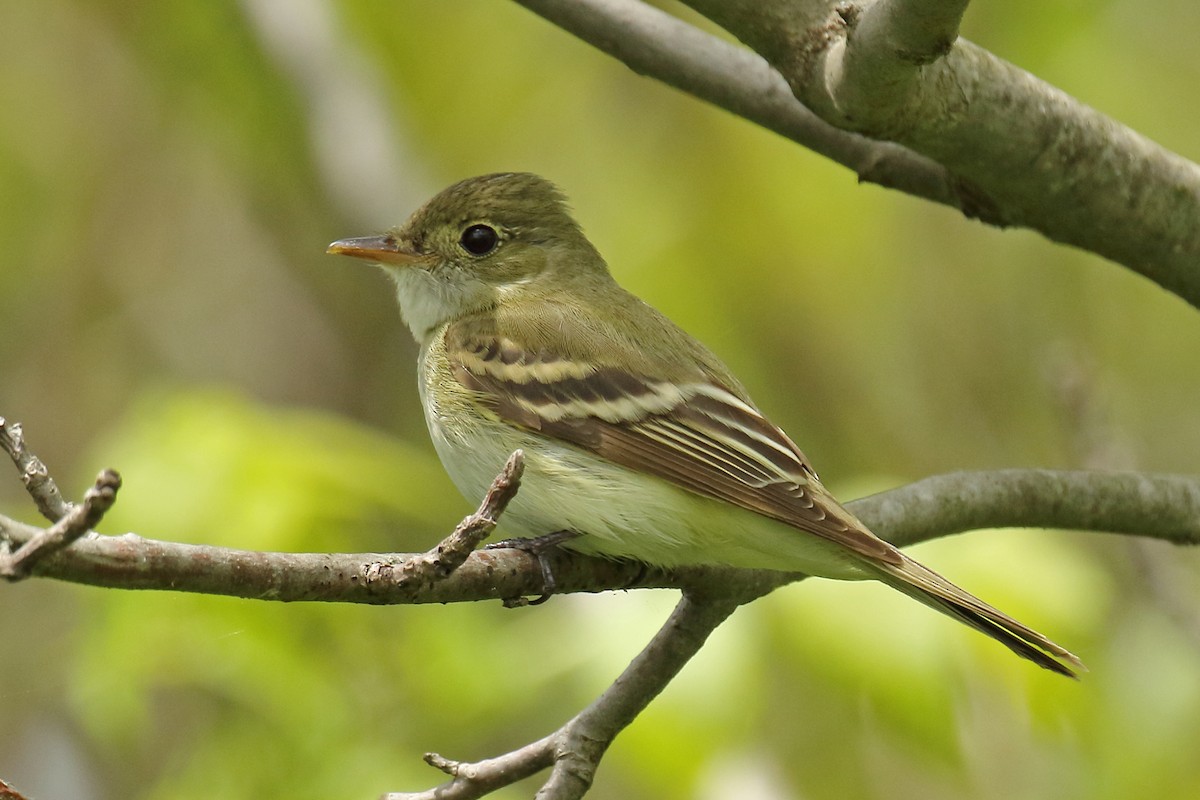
(474,242)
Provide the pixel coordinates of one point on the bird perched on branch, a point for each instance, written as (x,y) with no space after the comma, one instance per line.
(637,439)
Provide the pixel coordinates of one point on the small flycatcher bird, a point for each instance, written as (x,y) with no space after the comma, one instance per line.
(636,437)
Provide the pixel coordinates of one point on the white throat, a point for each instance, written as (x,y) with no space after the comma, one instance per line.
(425,303)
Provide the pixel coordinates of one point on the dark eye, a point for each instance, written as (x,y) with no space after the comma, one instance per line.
(479,240)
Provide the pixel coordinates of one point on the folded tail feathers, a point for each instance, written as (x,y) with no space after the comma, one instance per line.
(926,586)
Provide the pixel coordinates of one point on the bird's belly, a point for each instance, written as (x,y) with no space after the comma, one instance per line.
(622,513)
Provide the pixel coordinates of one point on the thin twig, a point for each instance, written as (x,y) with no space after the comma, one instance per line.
(574,751)
(476,779)
(34,475)
(7,792)
(440,562)
(78,520)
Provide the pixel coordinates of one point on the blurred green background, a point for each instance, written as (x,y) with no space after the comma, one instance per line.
(170,174)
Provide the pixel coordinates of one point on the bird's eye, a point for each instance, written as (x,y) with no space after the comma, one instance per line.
(479,240)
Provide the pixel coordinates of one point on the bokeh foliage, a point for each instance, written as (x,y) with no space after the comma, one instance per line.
(169,176)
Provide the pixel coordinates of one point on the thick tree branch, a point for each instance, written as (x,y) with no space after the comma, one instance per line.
(1037,156)
(656,44)
(913,32)
(972,130)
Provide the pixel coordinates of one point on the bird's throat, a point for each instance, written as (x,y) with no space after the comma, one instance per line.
(428,302)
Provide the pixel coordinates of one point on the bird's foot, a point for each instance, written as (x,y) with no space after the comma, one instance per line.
(538,547)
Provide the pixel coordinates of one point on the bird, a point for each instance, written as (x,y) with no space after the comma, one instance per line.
(639,442)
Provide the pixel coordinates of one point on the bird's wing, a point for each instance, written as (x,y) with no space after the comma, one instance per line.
(696,434)
(702,436)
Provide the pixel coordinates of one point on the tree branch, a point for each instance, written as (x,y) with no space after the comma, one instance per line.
(575,750)
(423,571)
(1040,158)
(653,43)
(7,792)
(915,32)
(582,742)
(1154,506)
(966,128)
(34,475)
(76,522)
(1141,504)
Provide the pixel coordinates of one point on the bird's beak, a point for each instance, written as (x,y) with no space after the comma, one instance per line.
(384,249)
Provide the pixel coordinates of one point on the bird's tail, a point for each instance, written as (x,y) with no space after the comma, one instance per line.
(925,585)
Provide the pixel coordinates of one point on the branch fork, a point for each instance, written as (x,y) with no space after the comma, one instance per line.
(435,565)
(71,521)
